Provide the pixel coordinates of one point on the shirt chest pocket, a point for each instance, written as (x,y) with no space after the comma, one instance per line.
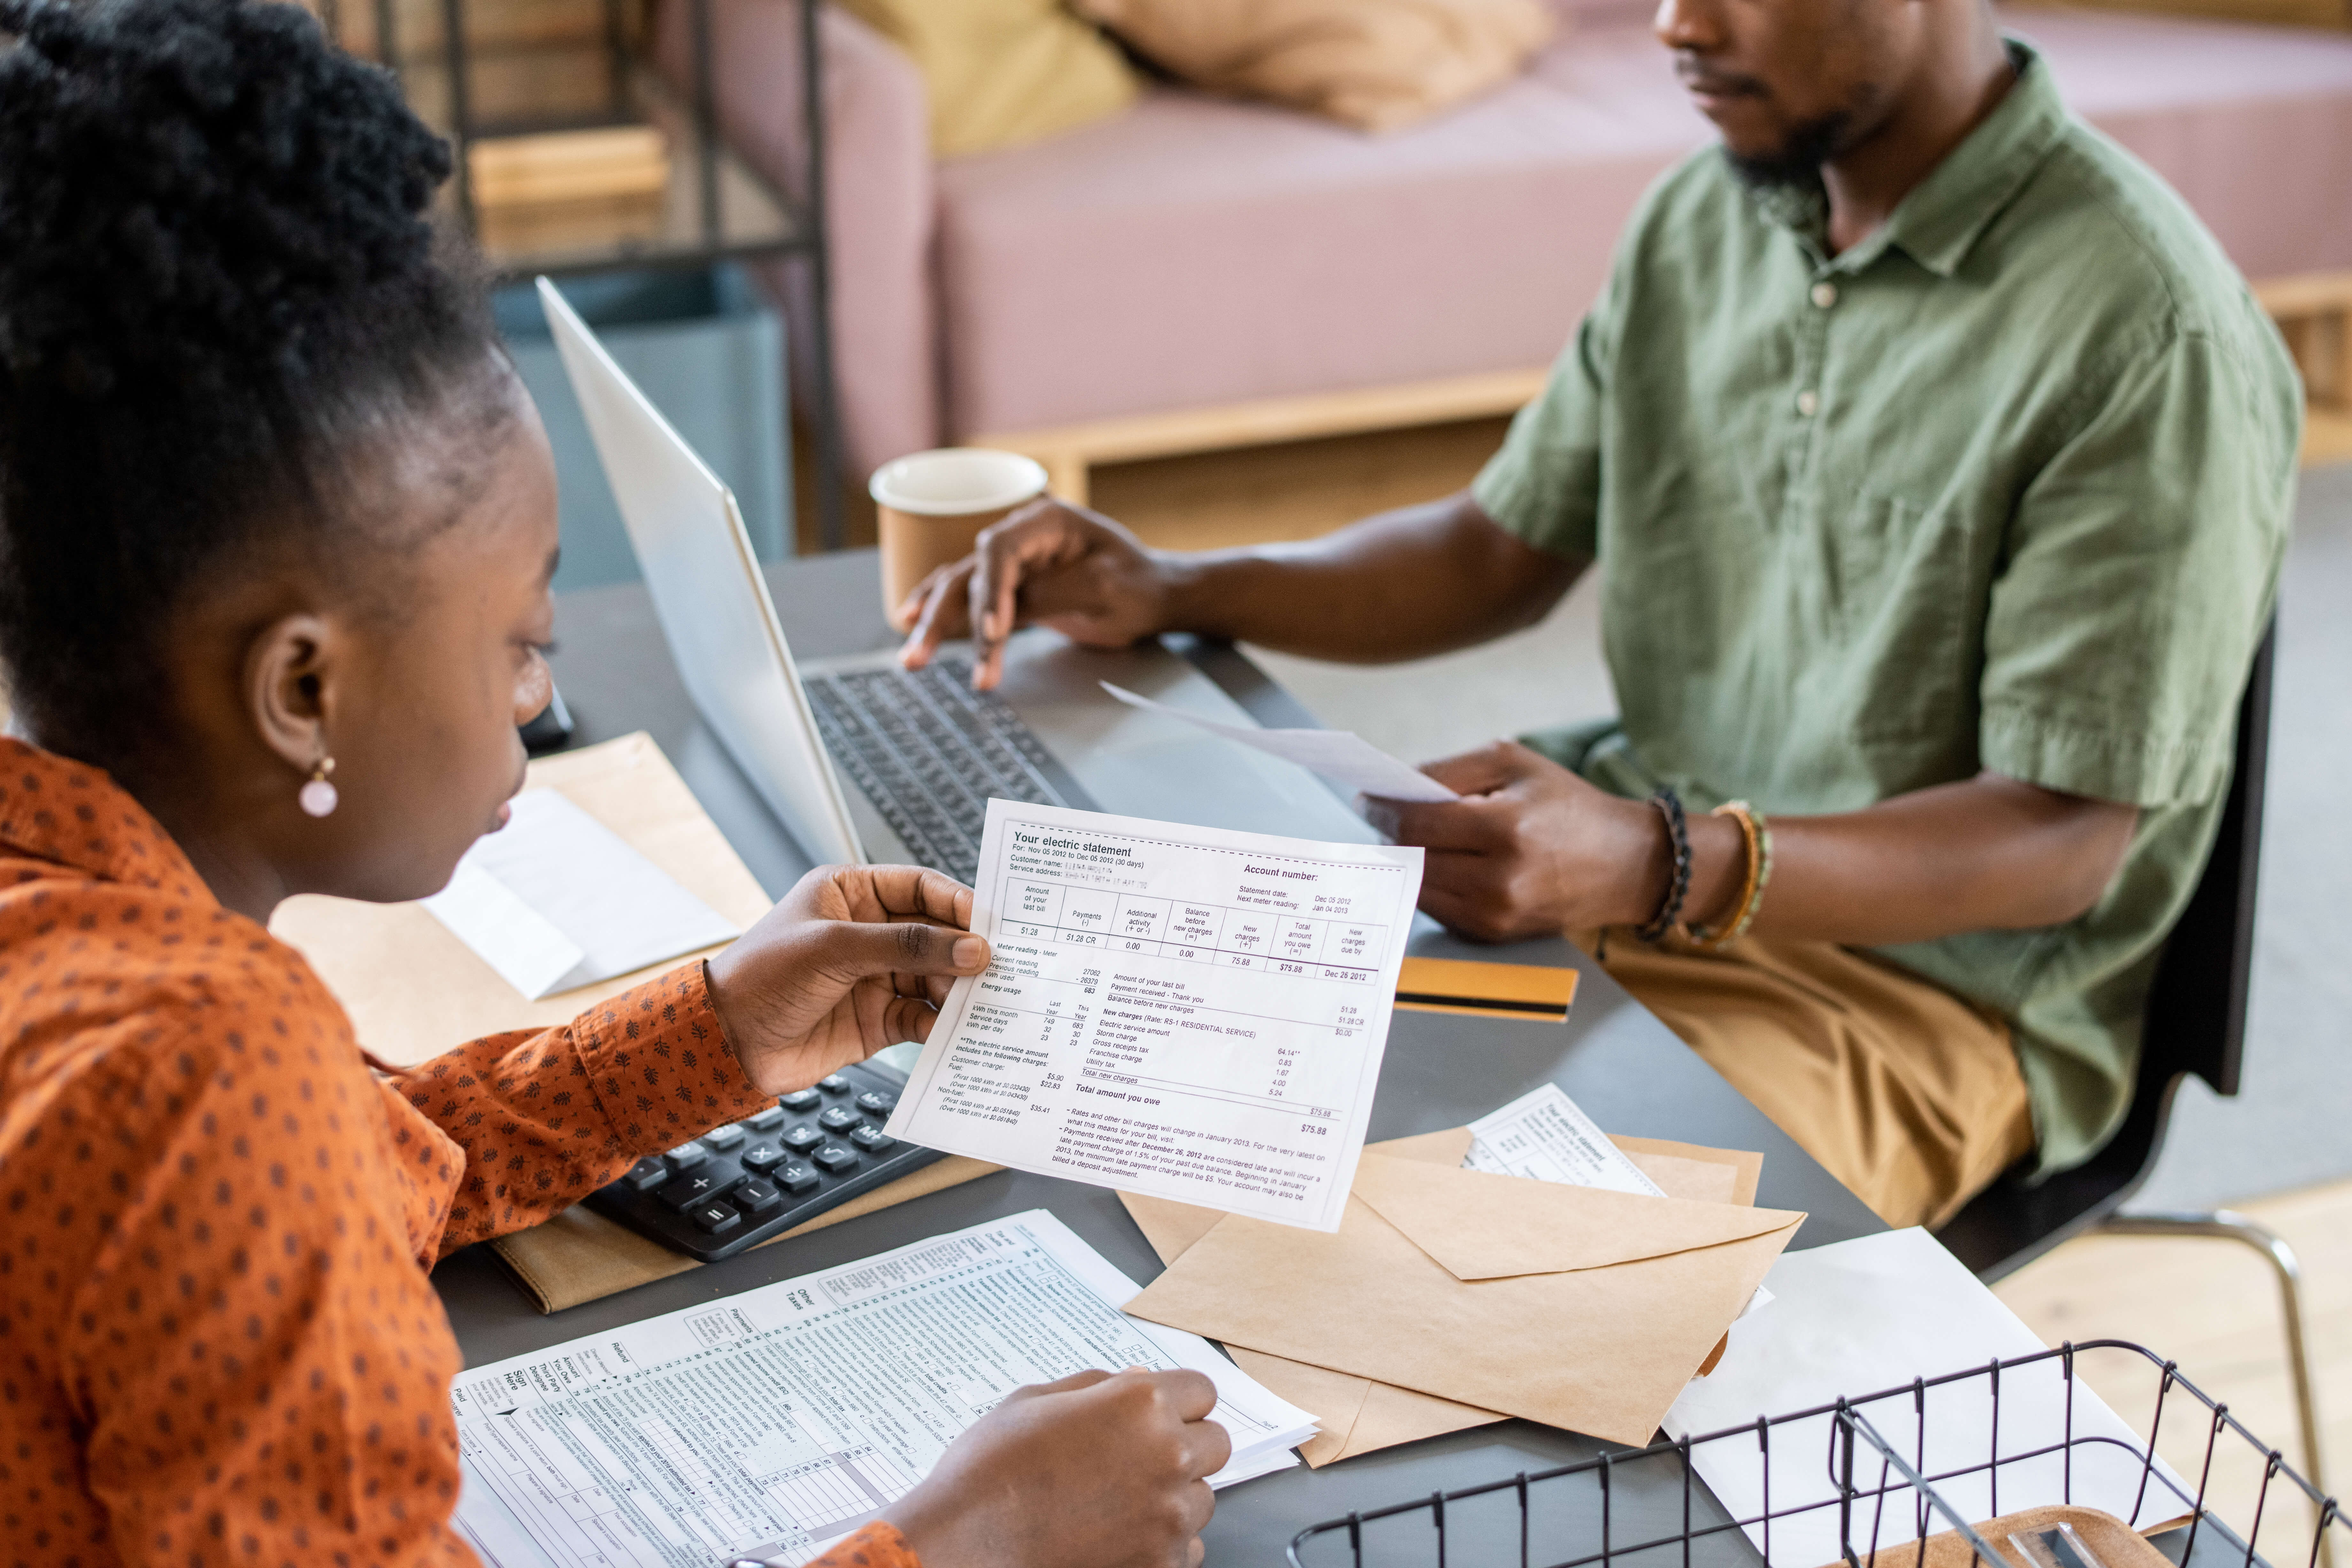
(1897,594)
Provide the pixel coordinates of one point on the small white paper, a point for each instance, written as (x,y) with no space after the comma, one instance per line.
(1547,1136)
(1341,756)
(526,950)
(1860,1316)
(556,899)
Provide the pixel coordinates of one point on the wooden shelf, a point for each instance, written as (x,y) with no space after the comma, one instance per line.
(666,229)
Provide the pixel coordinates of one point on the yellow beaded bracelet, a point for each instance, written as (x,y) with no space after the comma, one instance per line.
(1758,839)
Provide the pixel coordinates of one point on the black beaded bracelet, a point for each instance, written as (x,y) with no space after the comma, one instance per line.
(1670,806)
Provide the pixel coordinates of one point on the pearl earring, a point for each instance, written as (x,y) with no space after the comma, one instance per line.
(318,797)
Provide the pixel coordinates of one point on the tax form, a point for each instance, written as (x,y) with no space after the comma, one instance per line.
(1188,1013)
(770,1424)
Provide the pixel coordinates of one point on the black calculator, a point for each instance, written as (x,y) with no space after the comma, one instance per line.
(737,1186)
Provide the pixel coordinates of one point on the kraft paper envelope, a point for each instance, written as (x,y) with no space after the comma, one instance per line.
(413,990)
(1361,1415)
(1477,1232)
(1580,1314)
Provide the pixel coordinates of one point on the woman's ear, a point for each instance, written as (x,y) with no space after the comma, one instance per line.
(290,688)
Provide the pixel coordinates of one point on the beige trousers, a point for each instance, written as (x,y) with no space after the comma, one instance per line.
(1908,1094)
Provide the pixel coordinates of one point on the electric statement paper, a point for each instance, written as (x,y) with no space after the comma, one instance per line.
(1188,1013)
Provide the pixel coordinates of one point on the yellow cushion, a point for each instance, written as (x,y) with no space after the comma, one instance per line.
(1372,64)
(1002,72)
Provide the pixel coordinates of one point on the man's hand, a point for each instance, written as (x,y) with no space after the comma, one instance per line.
(854,958)
(1531,850)
(1094,1471)
(1061,566)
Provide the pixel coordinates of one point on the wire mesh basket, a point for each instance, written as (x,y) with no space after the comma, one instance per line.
(1867,1482)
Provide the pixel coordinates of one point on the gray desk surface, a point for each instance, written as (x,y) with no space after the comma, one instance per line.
(1613,1058)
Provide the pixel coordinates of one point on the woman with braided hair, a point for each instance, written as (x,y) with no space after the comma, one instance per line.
(277,528)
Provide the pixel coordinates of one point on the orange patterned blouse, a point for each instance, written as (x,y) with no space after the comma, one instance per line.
(219,1342)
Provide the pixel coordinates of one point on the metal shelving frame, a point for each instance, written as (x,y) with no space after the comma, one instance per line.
(631,83)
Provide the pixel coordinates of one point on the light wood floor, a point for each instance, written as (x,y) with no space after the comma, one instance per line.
(2212,1307)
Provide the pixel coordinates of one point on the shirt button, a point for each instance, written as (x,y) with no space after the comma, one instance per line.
(1824,295)
(1808,401)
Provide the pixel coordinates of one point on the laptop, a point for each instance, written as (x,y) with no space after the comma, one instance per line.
(864,761)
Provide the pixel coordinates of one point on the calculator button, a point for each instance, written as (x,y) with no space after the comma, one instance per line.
(723,1137)
(872,1140)
(797,1178)
(686,1156)
(758,1199)
(835,1158)
(717,1218)
(803,1138)
(799,1100)
(767,1121)
(834,1083)
(875,1103)
(685,1192)
(761,1158)
(646,1174)
(840,1119)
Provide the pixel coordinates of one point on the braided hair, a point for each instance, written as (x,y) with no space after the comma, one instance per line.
(220,289)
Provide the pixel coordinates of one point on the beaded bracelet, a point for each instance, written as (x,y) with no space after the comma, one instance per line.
(1670,806)
(1758,840)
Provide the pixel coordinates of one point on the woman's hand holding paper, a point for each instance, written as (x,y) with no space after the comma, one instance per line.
(854,958)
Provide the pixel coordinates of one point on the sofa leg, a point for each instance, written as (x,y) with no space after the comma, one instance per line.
(2222,1225)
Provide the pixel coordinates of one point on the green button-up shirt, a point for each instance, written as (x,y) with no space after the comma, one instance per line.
(2004,486)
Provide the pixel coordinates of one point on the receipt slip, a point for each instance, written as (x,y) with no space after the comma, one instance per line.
(1189,1013)
(1577,1307)
(1363,1415)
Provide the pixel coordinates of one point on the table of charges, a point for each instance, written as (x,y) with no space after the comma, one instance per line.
(1229,935)
(1189,1013)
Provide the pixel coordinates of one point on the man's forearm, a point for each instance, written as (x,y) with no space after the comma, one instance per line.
(1403,584)
(1989,854)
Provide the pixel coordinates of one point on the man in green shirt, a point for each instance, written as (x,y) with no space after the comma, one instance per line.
(1939,465)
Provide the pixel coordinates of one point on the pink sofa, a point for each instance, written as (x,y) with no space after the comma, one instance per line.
(1197,252)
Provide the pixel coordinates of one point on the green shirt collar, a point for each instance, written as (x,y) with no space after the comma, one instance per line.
(1941,220)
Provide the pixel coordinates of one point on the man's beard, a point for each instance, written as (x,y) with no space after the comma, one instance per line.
(1796,162)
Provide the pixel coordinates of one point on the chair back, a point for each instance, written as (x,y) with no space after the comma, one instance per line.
(2197,1005)
(2195,1023)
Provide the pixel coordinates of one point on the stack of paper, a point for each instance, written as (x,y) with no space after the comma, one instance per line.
(770,1424)
(556,899)
(1452,1297)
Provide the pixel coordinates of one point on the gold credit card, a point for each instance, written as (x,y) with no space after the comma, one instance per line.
(1481,990)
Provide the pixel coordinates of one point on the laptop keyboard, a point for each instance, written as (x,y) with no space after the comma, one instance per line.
(927,750)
